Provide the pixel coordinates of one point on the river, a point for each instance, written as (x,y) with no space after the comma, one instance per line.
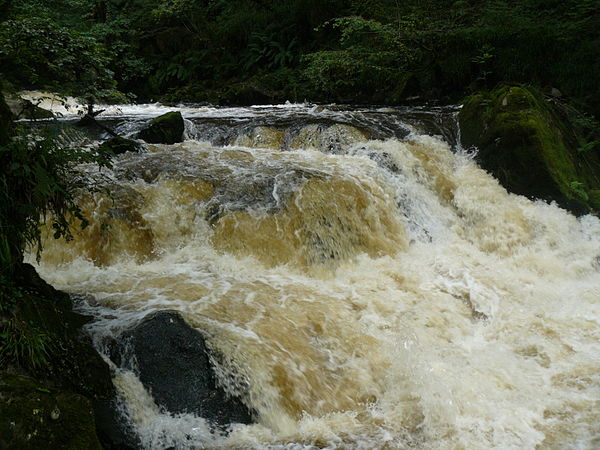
(368,284)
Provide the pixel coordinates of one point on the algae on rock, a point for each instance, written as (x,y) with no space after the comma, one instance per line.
(531,146)
(165,129)
(119,145)
(34,416)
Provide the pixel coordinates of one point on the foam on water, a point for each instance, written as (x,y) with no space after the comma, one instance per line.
(391,295)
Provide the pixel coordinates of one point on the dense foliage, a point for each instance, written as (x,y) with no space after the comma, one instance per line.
(239,51)
(38,183)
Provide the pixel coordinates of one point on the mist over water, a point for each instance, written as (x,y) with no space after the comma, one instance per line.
(367,283)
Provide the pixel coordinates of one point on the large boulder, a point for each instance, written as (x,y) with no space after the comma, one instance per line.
(165,129)
(67,356)
(531,146)
(172,362)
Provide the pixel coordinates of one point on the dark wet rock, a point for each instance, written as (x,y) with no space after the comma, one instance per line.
(165,129)
(6,119)
(119,145)
(70,360)
(114,431)
(59,374)
(172,361)
(26,275)
(533,146)
(35,415)
(381,158)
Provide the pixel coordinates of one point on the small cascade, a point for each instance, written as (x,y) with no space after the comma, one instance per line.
(368,282)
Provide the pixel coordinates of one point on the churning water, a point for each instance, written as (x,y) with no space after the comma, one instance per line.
(369,285)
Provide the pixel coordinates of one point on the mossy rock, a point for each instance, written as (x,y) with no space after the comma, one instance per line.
(40,336)
(528,143)
(35,416)
(119,145)
(50,333)
(165,129)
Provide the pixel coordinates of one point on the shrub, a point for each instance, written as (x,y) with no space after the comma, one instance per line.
(39,53)
(38,184)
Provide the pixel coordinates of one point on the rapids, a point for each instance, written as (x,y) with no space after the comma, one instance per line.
(369,285)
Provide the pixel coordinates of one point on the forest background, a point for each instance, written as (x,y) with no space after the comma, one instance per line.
(263,51)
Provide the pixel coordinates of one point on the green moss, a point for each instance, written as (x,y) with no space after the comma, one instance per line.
(165,129)
(35,416)
(40,324)
(530,146)
(594,198)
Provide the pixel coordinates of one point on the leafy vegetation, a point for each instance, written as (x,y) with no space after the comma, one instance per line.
(235,51)
(42,54)
(38,183)
(19,342)
(370,63)
(24,344)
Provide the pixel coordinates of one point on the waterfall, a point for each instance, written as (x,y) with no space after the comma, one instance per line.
(371,284)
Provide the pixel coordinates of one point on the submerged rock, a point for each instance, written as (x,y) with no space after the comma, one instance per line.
(171,360)
(530,145)
(119,145)
(112,427)
(165,129)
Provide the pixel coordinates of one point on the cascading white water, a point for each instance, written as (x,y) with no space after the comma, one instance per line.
(370,293)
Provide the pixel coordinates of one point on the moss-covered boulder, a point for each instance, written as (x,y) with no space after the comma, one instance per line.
(119,145)
(41,338)
(34,415)
(40,320)
(531,146)
(165,129)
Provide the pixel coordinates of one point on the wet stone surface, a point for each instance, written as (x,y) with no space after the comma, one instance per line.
(172,361)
